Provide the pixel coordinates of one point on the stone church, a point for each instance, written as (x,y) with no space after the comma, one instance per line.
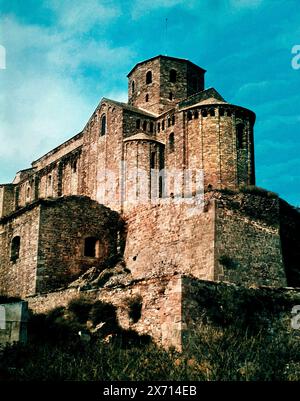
(165,181)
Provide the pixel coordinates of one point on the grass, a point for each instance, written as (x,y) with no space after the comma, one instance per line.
(230,351)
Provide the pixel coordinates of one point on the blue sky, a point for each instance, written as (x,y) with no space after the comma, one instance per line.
(62,57)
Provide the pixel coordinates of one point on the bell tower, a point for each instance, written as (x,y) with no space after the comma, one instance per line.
(157,84)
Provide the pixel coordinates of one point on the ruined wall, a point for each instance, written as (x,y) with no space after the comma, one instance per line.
(17,276)
(170,237)
(65,223)
(248,246)
(267,311)
(160,313)
(175,308)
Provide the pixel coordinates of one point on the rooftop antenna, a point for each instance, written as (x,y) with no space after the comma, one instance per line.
(166,37)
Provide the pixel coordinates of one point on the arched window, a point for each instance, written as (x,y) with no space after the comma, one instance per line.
(74,166)
(103,125)
(132,87)
(149,77)
(212,112)
(171,142)
(28,192)
(173,75)
(153,160)
(147,98)
(196,114)
(91,247)
(138,123)
(144,125)
(204,113)
(151,126)
(240,135)
(15,249)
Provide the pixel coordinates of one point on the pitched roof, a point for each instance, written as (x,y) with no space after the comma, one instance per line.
(128,107)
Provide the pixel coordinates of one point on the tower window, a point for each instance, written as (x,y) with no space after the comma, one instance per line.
(49,180)
(153,160)
(103,125)
(173,75)
(28,192)
(204,113)
(147,98)
(91,247)
(170,96)
(149,77)
(212,112)
(221,112)
(240,135)
(196,114)
(151,126)
(144,125)
(173,119)
(74,166)
(163,125)
(158,127)
(189,115)
(169,122)
(171,142)
(15,249)
(132,87)
(138,123)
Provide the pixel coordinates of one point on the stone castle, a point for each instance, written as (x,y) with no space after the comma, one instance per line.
(165,184)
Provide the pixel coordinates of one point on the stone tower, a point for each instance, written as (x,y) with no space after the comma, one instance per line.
(159,83)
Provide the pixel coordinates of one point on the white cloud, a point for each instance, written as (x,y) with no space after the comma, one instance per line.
(80,16)
(44,98)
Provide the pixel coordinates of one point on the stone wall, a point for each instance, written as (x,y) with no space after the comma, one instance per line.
(174,307)
(161,306)
(171,236)
(219,305)
(65,223)
(248,246)
(211,144)
(18,275)
(7,199)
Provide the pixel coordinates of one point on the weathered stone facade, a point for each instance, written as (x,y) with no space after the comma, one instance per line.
(52,235)
(155,182)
